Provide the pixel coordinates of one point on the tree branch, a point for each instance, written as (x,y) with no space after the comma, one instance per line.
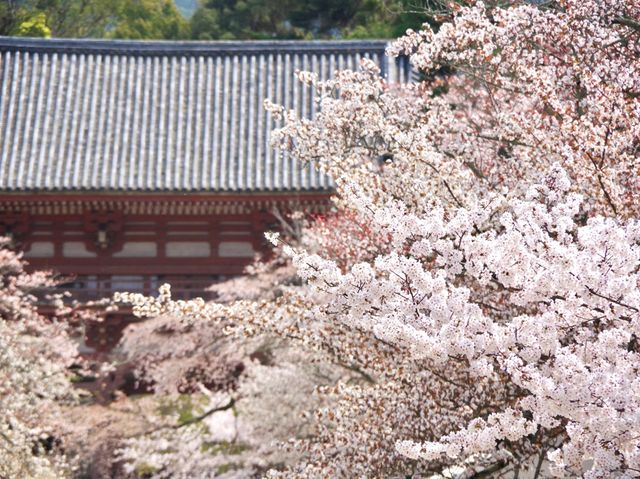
(628,22)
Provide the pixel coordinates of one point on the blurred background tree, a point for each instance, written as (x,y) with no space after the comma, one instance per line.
(211,19)
(300,19)
(135,19)
(9,13)
(142,19)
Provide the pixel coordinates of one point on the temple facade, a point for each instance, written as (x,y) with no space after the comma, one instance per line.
(125,165)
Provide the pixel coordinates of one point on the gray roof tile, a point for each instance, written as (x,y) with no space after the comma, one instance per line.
(96,115)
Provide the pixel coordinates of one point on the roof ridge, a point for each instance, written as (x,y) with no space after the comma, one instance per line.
(186,48)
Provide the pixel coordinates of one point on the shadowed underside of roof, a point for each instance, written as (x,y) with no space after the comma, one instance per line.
(93,115)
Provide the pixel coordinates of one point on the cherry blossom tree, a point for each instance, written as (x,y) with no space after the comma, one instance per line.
(242,396)
(484,272)
(491,316)
(34,380)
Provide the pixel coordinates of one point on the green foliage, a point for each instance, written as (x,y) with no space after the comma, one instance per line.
(36,26)
(225,468)
(11,15)
(243,19)
(145,19)
(145,470)
(303,19)
(135,19)
(225,447)
(73,18)
(211,20)
(184,406)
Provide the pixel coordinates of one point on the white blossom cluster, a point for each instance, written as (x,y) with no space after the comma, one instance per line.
(569,344)
(34,354)
(495,326)
(538,84)
(241,433)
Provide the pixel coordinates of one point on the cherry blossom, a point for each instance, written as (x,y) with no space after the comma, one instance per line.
(490,311)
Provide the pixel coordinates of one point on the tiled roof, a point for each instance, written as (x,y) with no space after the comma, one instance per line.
(95,115)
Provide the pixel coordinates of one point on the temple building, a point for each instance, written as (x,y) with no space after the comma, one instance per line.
(125,164)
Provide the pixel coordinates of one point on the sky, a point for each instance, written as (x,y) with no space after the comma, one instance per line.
(187,7)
